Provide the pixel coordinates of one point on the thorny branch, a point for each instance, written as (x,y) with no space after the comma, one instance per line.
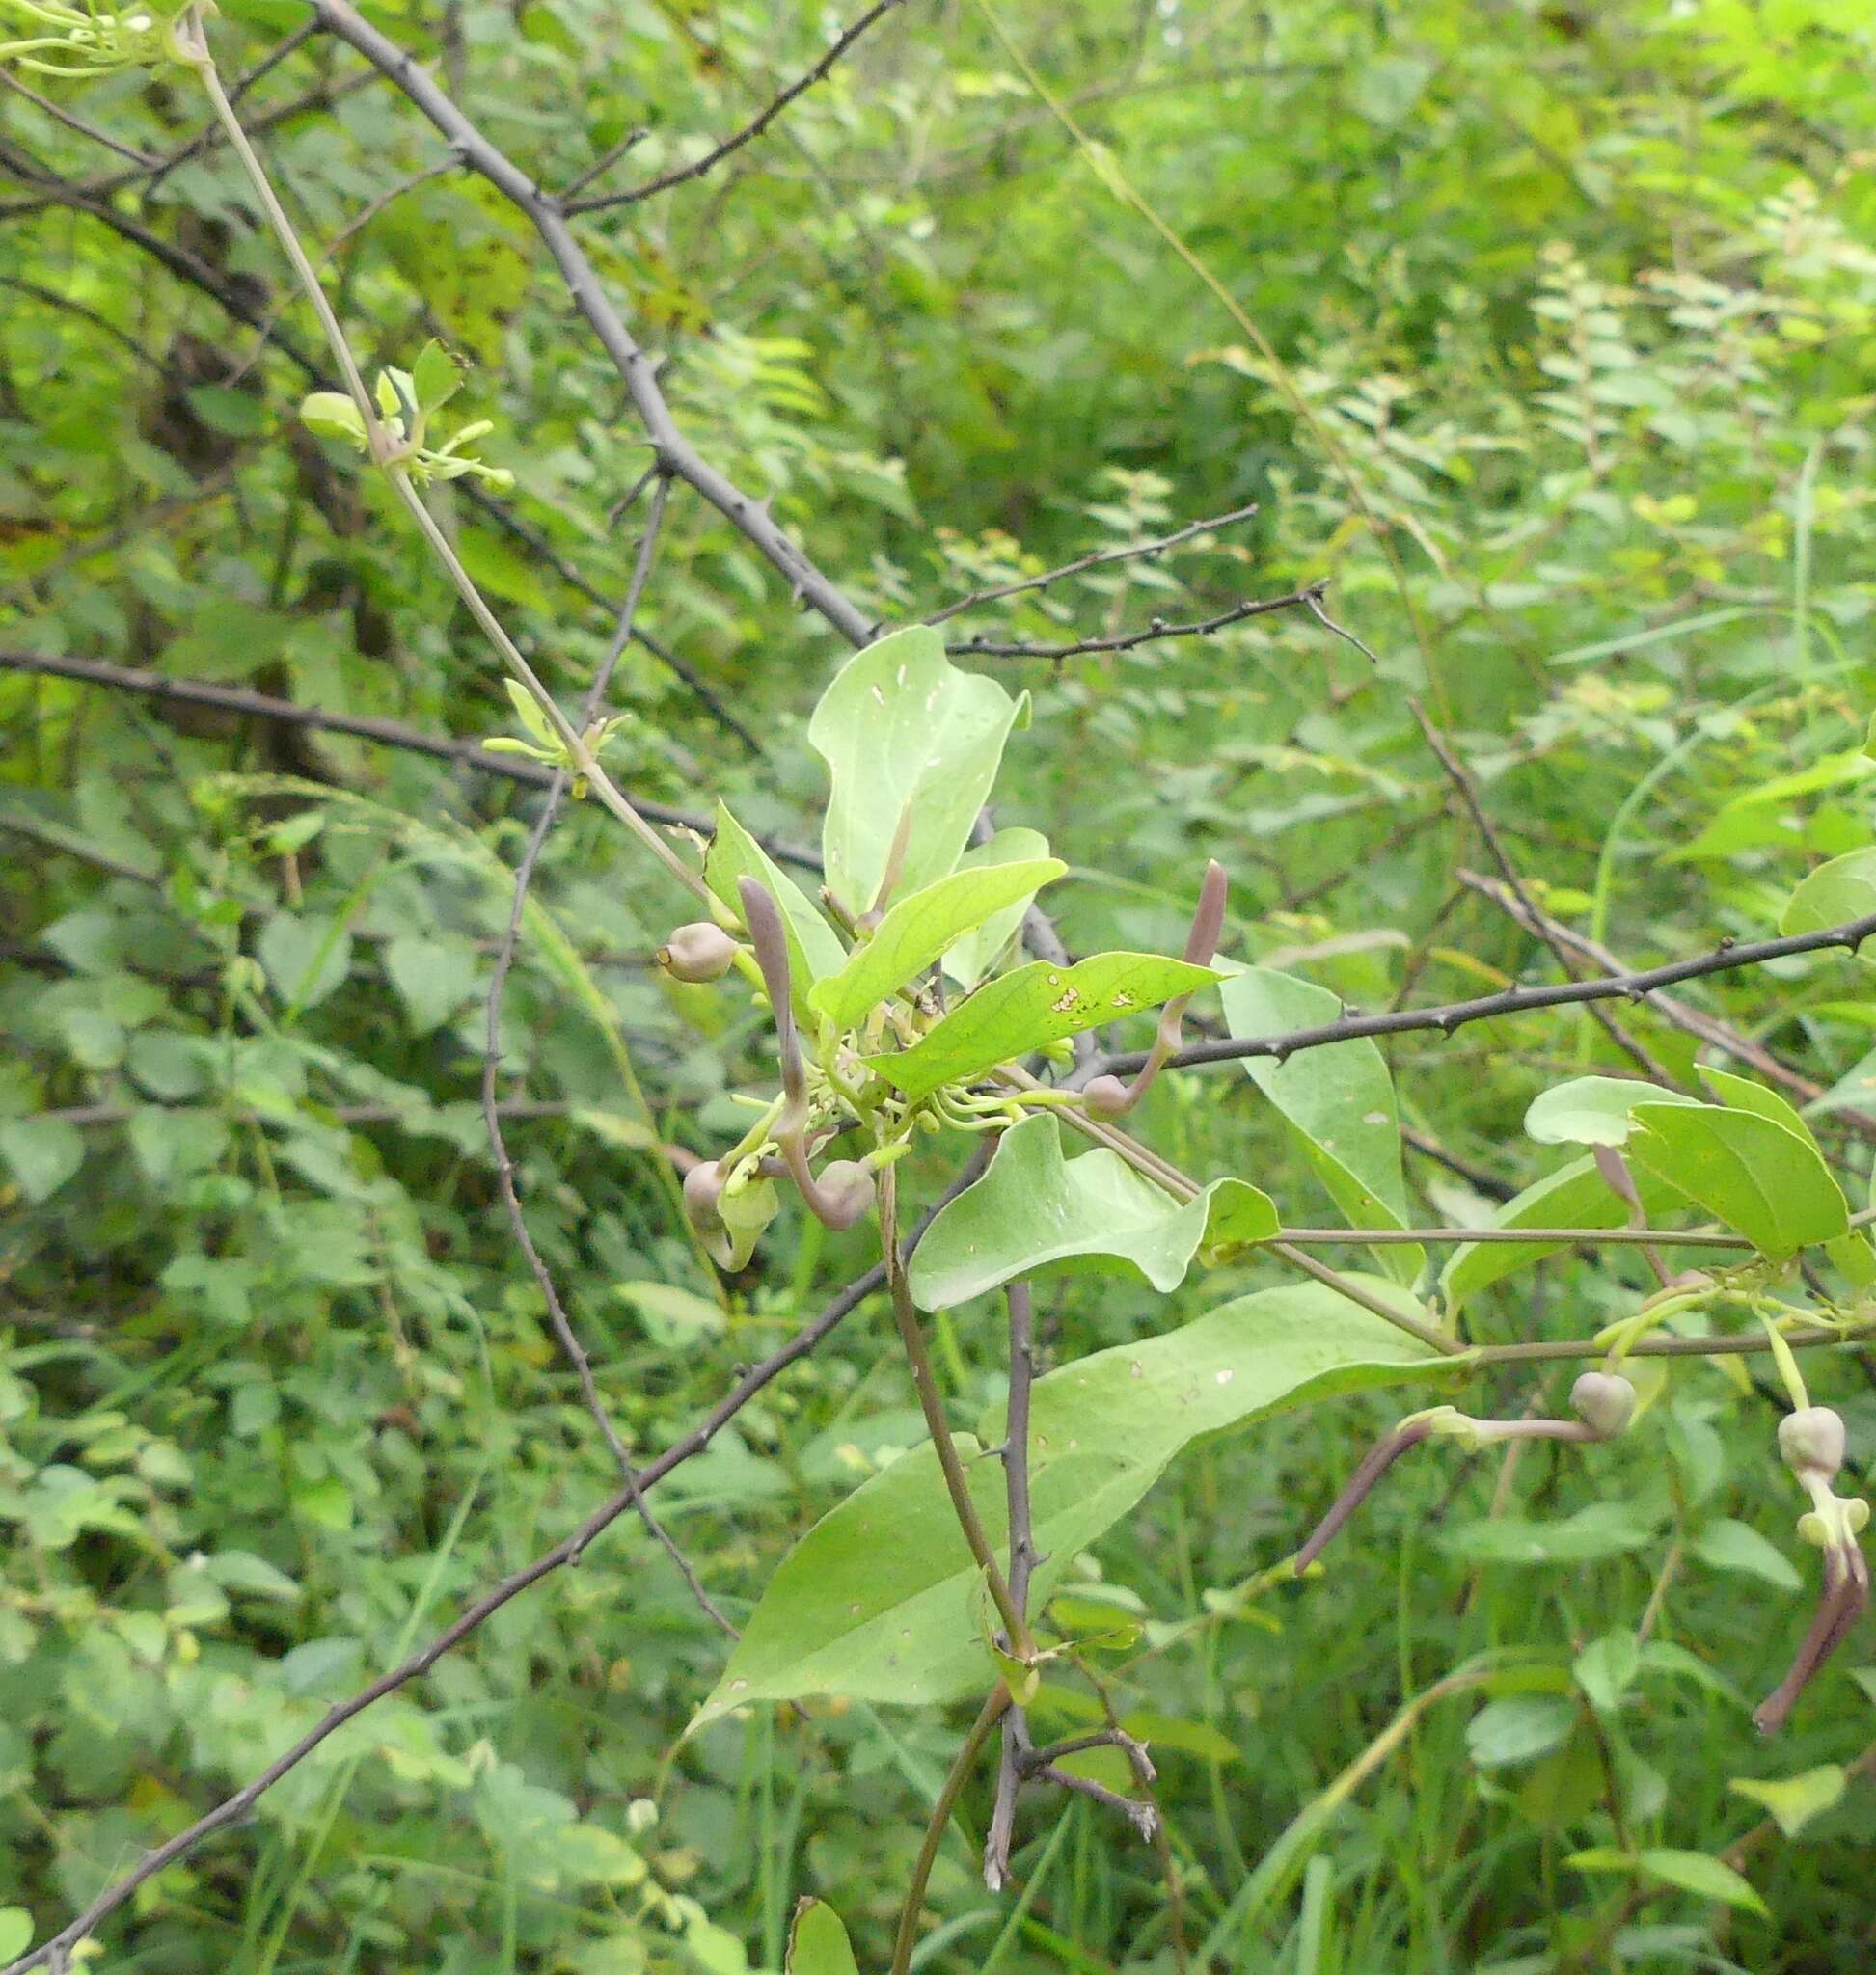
(1728,957)
(1128,640)
(1468,791)
(1096,558)
(683,174)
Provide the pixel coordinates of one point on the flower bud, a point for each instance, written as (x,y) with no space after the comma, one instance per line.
(697,952)
(703,1187)
(1812,1441)
(1107,1096)
(1605,1401)
(847,1192)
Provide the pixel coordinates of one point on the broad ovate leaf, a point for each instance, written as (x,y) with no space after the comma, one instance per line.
(1032,1006)
(877,1599)
(1746,1170)
(901,728)
(814,948)
(1339,1099)
(1593,1110)
(818,1943)
(917,929)
(1832,895)
(970,958)
(1033,1209)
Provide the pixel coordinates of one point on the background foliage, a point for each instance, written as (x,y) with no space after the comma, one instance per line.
(1576,304)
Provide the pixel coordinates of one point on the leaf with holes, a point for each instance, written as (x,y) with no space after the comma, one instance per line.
(1036,1005)
(917,929)
(907,738)
(1034,1208)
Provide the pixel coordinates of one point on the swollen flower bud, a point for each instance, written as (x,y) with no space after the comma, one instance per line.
(1811,1442)
(1604,1401)
(703,1188)
(846,1192)
(1107,1096)
(697,952)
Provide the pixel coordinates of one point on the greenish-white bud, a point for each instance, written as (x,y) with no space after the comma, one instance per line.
(1604,1400)
(1812,1441)
(698,952)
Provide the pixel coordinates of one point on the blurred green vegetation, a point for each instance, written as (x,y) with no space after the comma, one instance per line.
(1574,315)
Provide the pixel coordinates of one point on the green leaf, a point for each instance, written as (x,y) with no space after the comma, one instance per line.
(16,1931)
(877,1599)
(1745,1168)
(1593,1110)
(1605,1528)
(306,959)
(973,956)
(1794,1800)
(435,377)
(332,414)
(1339,1099)
(1733,1546)
(1694,1872)
(1741,1094)
(1038,1004)
(532,715)
(41,1153)
(433,975)
(673,1316)
(901,725)
(1518,1729)
(1606,1667)
(1574,1196)
(1033,1209)
(918,929)
(818,1943)
(1832,895)
(814,948)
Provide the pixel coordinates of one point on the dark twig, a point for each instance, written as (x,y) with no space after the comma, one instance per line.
(505,957)
(1099,559)
(1468,790)
(231,1810)
(73,121)
(1128,640)
(1730,957)
(237,699)
(1693,1021)
(603,164)
(683,174)
(1143,1817)
(636,368)
(1022,1563)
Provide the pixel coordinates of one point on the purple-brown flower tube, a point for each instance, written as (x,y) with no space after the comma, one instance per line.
(1605,1400)
(1107,1096)
(846,1190)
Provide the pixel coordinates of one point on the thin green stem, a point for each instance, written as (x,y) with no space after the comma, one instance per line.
(1344,1285)
(585,765)
(991,1713)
